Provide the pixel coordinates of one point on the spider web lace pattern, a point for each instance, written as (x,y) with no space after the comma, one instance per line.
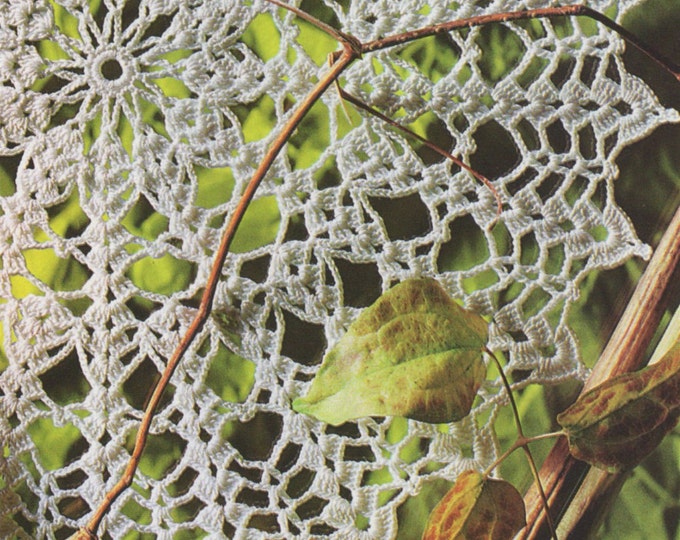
(126,133)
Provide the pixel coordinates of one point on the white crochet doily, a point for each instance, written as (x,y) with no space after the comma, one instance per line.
(127,131)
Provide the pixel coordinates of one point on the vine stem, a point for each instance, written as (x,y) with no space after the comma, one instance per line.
(522,441)
(519,443)
(351,50)
(350,53)
(483,179)
(576,10)
(561,474)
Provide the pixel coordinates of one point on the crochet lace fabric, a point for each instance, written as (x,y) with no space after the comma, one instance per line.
(127,132)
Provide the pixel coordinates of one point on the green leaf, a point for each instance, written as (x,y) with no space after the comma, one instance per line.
(477,507)
(413,353)
(616,424)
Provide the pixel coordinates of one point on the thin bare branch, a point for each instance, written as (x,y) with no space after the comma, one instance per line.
(211,286)
(577,10)
(340,36)
(522,441)
(483,179)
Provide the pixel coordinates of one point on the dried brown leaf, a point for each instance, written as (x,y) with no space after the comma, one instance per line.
(616,424)
(477,507)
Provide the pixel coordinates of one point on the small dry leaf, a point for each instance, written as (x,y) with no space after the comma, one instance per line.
(616,424)
(413,353)
(477,507)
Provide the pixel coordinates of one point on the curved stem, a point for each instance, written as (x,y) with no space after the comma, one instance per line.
(349,54)
(519,443)
(522,441)
(432,146)
(576,10)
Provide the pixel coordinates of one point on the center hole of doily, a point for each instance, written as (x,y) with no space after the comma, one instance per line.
(111,69)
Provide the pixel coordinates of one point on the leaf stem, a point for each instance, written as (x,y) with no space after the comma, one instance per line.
(519,443)
(522,441)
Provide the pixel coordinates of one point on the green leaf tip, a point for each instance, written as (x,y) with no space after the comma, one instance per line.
(413,353)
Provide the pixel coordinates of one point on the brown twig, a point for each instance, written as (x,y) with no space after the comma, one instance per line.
(448,155)
(352,49)
(624,352)
(577,10)
(349,53)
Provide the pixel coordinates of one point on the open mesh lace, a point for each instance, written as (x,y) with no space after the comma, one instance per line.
(126,133)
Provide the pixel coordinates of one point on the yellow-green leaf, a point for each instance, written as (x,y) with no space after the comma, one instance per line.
(616,424)
(477,507)
(413,353)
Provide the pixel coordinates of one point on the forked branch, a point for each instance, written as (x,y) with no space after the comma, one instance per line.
(522,441)
(351,50)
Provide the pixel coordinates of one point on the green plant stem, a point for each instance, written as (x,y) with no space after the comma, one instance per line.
(519,443)
(522,441)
